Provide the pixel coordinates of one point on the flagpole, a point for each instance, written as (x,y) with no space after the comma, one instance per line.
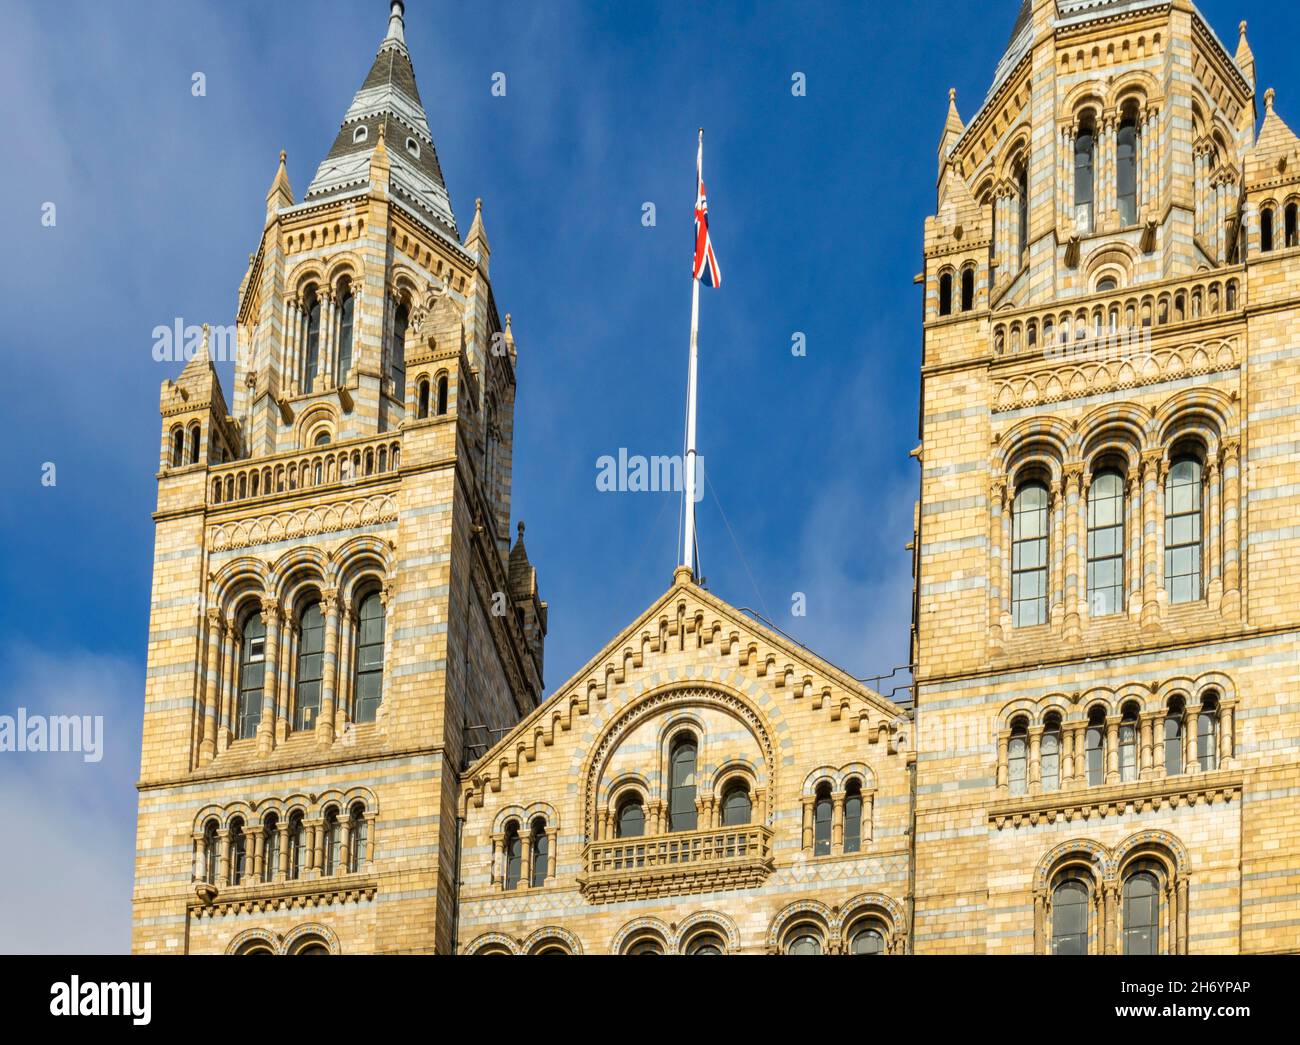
(688,529)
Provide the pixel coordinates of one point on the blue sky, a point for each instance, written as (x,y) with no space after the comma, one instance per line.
(817,205)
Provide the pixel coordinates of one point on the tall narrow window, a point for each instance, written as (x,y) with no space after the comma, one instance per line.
(1266,230)
(1183,530)
(1141,913)
(1022,201)
(330,848)
(1126,171)
(822,813)
(210,855)
(1094,747)
(967,289)
(1292,233)
(945,294)
(1083,178)
(853,817)
(311,655)
(297,845)
(1029,556)
(1128,745)
(195,438)
(514,856)
(681,791)
(252,669)
(1207,735)
(1174,738)
(1018,757)
(1070,918)
(370,658)
(346,311)
(270,847)
(178,446)
(358,836)
(737,808)
(442,394)
(631,818)
(541,853)
(1050,754)
(422,400)
(313,340)
(397,351)
(1106,544)
(238,851)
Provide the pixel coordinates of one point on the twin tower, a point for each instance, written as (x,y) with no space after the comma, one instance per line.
(347,745)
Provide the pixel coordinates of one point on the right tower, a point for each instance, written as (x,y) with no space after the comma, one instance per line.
(1107,612)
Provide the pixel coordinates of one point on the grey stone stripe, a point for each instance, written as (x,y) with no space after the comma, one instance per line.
(956,505)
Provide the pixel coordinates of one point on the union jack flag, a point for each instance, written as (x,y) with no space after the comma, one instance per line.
(706,264)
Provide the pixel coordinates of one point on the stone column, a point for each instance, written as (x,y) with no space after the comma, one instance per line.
(1035,759)
(200,857)
(288,662)
(1133,538)
(807,832)
(325,724)
(525,858)
(253,865)
(1074,587)
(229,680)
(325,355)
(343,712)
(1112,749)
(1004,782)
(271,679)
(295,346)
(837,821)
(282,872)
(223,856)
(211,679)
(1231,527)
(1152,473)
(498,857)
(1192,720)
(1056,560)
(370,839)
(1040,923)
(1181,914)
(1067,756)
(316,840)
(997,560)
(1211,534)
(1226,724)
(1110,905)
(1147,723)
(345,845)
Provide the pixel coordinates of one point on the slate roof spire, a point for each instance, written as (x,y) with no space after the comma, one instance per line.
(389,99)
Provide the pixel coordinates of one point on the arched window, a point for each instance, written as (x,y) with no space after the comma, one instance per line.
(1022,202)
(1128,744)
(541,853)
(1083,177)
(853,817)
(1070,917)
(442,394)
(311,670)
(358,835)
(1029,556)
(823,811)
(706,943)
(1183,530)
(866,939)
(804,939)
(330,848)
(369,687)
(1207,734)
(1266,230)
(1292,234)
(195,436)
(514,855)
(238,852)
(647,945)
(1050,753)
(945,294)
(1174,737)
(1094,747)
(631,818)
(422,400)
(681,790)
(252,669)
(313,340)
(178,446)
(1126,160)
(297,845)
(397,351)
(211,857)
(967,289)
(1106,284)
(1018,757)
(1106,544)
(346,310)
(359,135)
(737,808)
(270,847)
(1141,913)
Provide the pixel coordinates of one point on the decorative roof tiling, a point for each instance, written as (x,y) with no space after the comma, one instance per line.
(388,99)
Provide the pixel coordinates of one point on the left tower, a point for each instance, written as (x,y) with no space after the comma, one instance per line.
(338,620)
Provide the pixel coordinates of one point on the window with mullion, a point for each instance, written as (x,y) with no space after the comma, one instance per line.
(1070,918)
(252,671)
(1183,499)
(681,795)
(1106,545)
(311,657)
(1029,556)
(1141,914)
(369,691)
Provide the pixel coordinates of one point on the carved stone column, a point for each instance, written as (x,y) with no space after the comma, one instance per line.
(1226,740)
(1112,749)
(997,559)
(1055,546)
(1147,722)
(1110,916)
(1067,756)
(837,821)
(1213,534)
(1133,540)
(223,856)
(1182,890)
(325,723)
(1004,782)
(229,680)
(1192,720)
(211,679)
(1035,759)
(1231,527)
(1152,474)
(1074,587)
(325,343)
(271,679)
(1040,923)
(288,664)
(282,871)
(807,829)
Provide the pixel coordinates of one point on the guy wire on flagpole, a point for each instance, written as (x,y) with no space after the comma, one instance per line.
(688,536)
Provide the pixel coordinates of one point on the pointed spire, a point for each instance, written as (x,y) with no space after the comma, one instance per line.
(1245,57)
(953,128)
(396,23)
(476,241)
(280,193)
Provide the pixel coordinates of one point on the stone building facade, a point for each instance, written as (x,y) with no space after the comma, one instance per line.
(346,745)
